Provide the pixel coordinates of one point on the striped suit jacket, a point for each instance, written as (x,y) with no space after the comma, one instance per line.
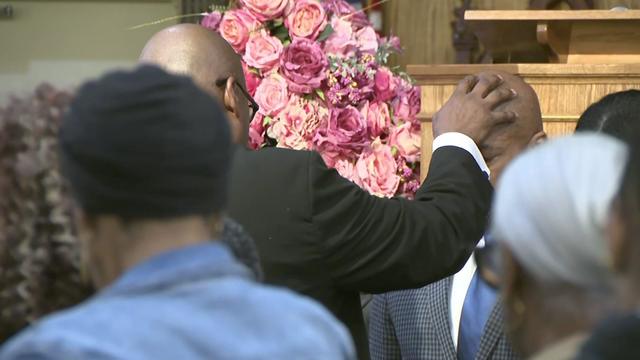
(415,324)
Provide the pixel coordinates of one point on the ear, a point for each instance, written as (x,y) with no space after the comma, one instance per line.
(231,104)
(537,139)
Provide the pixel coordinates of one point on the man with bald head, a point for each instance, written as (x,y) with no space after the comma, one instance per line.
(459,317)
(320,234)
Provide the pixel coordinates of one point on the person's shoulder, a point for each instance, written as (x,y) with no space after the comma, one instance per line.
(56,336)
(425,293)
(287,306)
(267,314)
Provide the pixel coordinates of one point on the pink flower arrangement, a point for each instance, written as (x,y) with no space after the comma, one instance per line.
(318,71)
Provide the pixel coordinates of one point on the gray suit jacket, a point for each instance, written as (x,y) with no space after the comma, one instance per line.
(414,324)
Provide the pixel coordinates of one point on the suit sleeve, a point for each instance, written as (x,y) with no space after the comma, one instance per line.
(375,245)
(383,343)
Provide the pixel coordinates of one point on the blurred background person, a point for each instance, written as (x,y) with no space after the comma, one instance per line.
(615,114)
(148,157)
(39,254)
(549,216)
(619,336)
(426,323)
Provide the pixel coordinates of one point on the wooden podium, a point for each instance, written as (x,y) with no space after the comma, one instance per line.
(588,55)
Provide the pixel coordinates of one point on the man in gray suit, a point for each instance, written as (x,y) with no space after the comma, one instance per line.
(459,317)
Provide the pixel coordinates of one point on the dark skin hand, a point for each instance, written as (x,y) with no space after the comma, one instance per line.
(471,108)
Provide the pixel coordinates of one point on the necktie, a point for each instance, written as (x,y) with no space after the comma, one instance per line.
(478,304)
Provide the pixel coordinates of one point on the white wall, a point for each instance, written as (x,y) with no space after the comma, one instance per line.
(66,42)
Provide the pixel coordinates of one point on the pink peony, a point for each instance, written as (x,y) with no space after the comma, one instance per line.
(236,26)
(407,104)
(304,65)
(296,125)
(344,134)
(272,95)
(263,51)
(341,8)
(377,116)
(341,42)
(376,168)
(252,79)
(306,20)
(265,10)
(256,132)
(406,138)
(367,40)
(212,20)
(384,84)
(347,169)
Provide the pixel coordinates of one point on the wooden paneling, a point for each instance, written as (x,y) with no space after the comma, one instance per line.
(564,90)
(424,26)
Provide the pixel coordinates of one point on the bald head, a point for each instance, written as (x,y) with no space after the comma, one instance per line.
(202,54)
(193,50)
(508,141)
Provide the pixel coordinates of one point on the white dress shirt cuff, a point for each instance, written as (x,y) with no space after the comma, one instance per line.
(464,142)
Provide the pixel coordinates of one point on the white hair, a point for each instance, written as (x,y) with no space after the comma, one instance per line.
(552,205)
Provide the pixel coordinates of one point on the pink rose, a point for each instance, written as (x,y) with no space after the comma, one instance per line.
(342,42)
(377,116)
(256,132)
(384,84)
(304,65)
(212,20)
(306,20)
(347,169)
(251,79)
(343,134)
(367,40)
(377,170)
(236,26)
(296,125)
(407,104)
(263,51)
(406,138)
(272,95)
(265,10)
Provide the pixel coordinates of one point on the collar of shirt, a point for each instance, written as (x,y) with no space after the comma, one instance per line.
(190,263)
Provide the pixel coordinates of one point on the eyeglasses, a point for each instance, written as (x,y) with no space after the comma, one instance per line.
(253,105)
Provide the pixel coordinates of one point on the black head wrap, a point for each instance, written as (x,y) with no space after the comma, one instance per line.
(146,144)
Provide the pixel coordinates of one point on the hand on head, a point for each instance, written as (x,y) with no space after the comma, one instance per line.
(471,108)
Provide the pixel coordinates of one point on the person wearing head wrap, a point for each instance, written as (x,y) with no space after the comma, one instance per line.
(549,215)
(618,337)
(147,155)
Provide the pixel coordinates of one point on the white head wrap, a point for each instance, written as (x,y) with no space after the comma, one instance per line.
(552,205)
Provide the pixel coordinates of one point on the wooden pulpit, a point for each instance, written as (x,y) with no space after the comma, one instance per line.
(579,57)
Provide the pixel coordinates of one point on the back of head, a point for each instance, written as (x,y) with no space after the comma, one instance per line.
(552,206)
(615,114)
(194,51)
(146,144)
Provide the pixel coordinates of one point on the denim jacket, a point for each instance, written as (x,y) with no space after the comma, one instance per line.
(197,302)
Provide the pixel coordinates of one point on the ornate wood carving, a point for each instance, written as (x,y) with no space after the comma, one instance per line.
(464,41)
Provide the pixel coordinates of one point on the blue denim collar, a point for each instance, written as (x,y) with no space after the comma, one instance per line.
(190,263)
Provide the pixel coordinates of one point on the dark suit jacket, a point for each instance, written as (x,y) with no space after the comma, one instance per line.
(321,235)
(415,324)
